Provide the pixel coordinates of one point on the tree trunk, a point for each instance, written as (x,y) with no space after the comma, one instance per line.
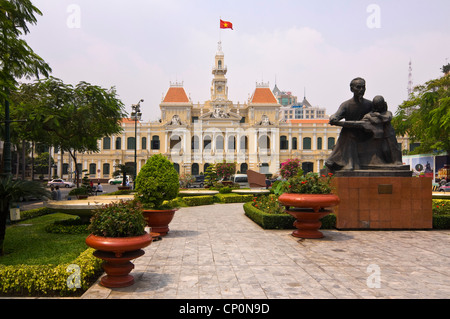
(4,210)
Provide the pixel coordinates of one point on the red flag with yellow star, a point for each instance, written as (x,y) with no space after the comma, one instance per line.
(226,25)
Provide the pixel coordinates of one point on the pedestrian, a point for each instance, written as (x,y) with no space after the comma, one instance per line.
(54,194)
(99,189)
(58,193)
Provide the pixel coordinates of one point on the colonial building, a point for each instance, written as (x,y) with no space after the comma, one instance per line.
(255,135)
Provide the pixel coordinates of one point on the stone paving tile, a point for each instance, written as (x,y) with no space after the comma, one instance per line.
(216,252)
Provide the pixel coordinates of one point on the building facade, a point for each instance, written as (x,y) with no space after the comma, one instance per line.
(255,135)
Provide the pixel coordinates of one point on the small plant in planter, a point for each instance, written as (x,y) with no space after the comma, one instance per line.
(118,235)
(308,198)
(80,192)
(156,186)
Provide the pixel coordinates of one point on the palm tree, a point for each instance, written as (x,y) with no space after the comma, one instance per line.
(11,191)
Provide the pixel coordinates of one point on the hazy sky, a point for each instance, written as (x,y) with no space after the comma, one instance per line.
(140,46)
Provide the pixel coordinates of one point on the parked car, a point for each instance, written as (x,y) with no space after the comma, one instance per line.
(240,179)
(61,183)
(445,188)
(198,182)
(118,180)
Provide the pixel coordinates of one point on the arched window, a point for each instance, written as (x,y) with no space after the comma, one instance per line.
(219,142)
(195,144)
(155,142)
(106,143)
(207,142)
(307,167)
(294,143)
(177,167)
(306,143)
(219,64)
(319,143)
(244,143)
(175,142)
(264,141)
(244,168)
(92,168)
(118,143)
(65,169)
(106,168)
(195,169)
(231,142)
(144,143)
(284,144)
(131,143)
(331,143)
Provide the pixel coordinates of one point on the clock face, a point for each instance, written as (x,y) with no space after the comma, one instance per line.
(219,88)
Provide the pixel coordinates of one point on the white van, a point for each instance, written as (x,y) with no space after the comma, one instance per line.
(240,179)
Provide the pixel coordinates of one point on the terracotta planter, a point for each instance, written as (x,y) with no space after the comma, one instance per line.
(159,220)
(308,209)
(117,253)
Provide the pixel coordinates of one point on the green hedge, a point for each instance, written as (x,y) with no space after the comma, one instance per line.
(36,212)
(199,200)
(68,226)
(268,221)
(281,221)
(233,198)
(50,280)
(441,221)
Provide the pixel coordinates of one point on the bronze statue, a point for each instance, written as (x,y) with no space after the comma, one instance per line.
(367,139)
(345,155)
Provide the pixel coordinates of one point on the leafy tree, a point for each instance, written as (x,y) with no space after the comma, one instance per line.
(425,117)
(41,163)
(446,68)
(73,118)
(17,59)
(211,175)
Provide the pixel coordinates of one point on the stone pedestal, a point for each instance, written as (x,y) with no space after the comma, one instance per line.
(383,202)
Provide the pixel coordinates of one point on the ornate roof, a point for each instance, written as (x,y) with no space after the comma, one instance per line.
(263,95)
(176,94)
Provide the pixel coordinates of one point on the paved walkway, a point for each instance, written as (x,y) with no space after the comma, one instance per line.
(217,252)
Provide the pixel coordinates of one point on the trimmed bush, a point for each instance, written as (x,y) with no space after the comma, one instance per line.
(156,182)
(280,221)
(51,280)
(36,212)
(199,200)
(225,190)
(268,221)
(441,221)
(68,226)
(233,198)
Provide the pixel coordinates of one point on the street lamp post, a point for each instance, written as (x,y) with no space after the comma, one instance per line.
(136,115)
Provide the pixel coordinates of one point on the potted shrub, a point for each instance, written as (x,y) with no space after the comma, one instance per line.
(156,185)
(118,235)
(80,192)
(308,198)
(224,171)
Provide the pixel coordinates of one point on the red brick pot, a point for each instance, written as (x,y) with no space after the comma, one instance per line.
(308,209)
(159,220)
(117,252)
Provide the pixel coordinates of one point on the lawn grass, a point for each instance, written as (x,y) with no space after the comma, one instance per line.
(28,243)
